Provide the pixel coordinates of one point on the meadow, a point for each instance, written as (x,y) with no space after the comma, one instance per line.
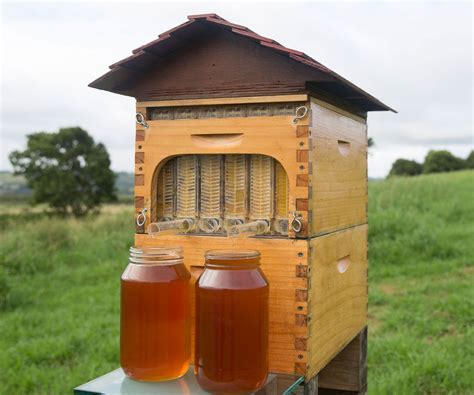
(59,291)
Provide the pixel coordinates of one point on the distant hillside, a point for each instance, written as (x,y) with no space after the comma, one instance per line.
(12,186)
(124,183)
(15,186)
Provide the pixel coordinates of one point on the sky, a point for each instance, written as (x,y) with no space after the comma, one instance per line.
(416,57)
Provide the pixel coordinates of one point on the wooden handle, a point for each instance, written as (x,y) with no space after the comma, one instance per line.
(216,140)
(344,147)
(343,263)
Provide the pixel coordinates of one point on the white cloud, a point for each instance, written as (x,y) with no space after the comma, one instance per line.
(416,57)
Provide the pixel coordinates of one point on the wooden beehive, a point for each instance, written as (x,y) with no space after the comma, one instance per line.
(210,87)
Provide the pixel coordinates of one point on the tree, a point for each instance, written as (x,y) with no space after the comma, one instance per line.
(67,170)
(442,161)
(470,161)
(405,167)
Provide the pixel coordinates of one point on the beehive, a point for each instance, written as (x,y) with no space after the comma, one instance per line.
(234,128)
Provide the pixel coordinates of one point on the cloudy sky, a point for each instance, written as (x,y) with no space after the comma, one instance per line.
(414,56)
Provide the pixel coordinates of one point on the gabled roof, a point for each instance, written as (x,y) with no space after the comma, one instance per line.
(122,74)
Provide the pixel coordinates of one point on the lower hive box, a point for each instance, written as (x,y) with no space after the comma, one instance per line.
(316,289)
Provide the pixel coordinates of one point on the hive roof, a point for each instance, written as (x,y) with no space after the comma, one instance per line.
(148,57)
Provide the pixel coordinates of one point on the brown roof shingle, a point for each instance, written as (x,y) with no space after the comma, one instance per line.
(143,58)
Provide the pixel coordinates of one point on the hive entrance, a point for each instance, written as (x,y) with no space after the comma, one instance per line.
(222,194)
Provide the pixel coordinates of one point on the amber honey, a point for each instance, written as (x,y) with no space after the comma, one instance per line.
(231,354)
(155,319)
(281,191)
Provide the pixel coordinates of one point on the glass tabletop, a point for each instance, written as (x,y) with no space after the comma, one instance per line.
(117,383)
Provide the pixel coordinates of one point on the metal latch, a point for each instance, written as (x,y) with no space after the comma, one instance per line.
(300,113)
(140,118)
(141,217)
(296,224)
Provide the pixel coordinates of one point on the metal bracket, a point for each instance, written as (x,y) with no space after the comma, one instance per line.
(141,217)
(140,118)
(296,223)
(300,113)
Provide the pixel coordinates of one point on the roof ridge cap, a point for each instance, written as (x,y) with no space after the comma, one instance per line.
(205,16)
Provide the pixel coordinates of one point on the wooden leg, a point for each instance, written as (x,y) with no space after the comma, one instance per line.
(347,372)
(311,387)
(270,389)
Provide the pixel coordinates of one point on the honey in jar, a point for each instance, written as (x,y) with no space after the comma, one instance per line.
(231,354)
(155,315)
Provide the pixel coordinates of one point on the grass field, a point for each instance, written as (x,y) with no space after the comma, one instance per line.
(59,291)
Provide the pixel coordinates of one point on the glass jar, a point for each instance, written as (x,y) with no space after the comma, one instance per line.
(231,354)
(155,315)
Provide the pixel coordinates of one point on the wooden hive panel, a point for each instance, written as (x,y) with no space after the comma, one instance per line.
(279,259)
(275,136)
(338,293)
(338,159)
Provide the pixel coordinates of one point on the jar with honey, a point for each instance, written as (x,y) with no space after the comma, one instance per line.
(155,315)
(231,354)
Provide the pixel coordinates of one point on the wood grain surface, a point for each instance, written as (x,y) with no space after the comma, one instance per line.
(339,177)
(338,293)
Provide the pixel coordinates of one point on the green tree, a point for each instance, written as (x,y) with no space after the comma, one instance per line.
(442,161)
(470,161)
(405,167)
(67,170)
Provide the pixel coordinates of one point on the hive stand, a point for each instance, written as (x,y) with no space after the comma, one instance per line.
(347,372)
(209,86)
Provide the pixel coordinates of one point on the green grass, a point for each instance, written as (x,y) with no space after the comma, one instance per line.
(59,286)
(59,292)
(421,233)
